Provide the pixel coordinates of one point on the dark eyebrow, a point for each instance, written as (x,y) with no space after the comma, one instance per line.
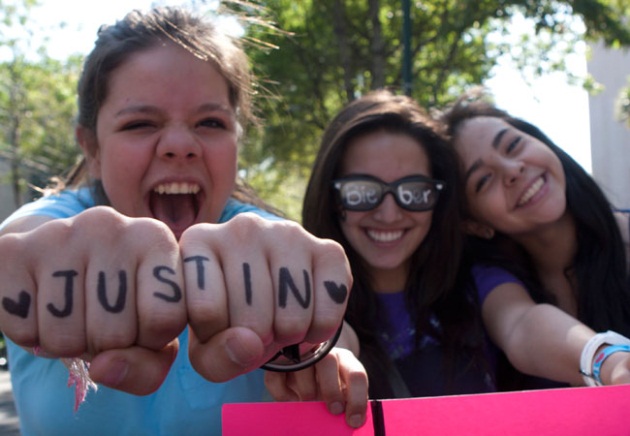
(149,109)
(474,167)
(495,144)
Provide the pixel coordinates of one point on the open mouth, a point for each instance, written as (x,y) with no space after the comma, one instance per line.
(176,204)
(531,191)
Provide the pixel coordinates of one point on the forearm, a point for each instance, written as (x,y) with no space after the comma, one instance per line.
(546,342)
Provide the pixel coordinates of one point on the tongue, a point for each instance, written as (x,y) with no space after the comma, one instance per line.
(175,210)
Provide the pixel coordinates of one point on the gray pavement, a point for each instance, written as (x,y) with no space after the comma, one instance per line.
(9,424)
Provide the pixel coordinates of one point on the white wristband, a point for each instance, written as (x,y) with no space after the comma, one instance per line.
(589,350)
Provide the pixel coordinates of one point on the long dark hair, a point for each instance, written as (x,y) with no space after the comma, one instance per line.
(435,283)
(600,266)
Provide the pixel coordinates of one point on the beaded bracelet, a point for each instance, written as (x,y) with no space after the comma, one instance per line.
(602,356)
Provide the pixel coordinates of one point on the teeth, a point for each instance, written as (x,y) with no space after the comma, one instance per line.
(531,191)
(385,236)
(177,188)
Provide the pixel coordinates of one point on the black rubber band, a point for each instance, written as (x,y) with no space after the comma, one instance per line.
(292,353)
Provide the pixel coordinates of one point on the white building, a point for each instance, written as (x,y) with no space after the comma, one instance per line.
(610,137)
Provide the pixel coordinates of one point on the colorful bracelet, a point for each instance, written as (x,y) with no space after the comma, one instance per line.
(590,349)
(602,356)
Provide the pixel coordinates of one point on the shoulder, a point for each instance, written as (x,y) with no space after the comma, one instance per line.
(488,277)
(235,207)
(64,204)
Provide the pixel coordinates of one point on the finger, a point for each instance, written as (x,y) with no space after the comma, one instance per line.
(355,379)
(304,384)
(206,298)
(58,264)
(110,283)
(242,265)
(249,284)
(289,248)
(330,387)
(18,314)
(332,283)
(226,355)
(161,302)
(134,370)
(277,386)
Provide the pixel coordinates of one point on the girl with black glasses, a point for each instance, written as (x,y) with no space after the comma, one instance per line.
(384,185)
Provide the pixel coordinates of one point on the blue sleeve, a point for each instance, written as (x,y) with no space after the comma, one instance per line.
(63,205)
(235,207)
(487,278)
(69,203)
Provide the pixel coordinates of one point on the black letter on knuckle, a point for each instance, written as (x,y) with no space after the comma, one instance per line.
(287,283)
(122,292)
(337,293)
(177,292)
(20,307)
(201,284)
(68,293)
(247,276)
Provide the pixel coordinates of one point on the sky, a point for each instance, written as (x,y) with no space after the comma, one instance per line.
(559,109)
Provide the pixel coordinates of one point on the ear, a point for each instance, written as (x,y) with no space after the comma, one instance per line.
(89,145)
(478,229)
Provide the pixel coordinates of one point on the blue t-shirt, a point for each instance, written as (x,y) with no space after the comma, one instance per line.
(186,403)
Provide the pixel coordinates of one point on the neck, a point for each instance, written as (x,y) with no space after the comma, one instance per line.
(552,250)
(388,281)
(553,246)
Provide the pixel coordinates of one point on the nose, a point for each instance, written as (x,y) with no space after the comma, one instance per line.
(512,170)
(178,142)
(388,211)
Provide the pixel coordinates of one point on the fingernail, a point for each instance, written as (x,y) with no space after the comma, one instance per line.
(336,408)
(355,421)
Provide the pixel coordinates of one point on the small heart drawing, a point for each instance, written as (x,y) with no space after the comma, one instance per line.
(19,308)
(338,293)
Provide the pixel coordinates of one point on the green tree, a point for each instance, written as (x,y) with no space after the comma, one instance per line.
(37,105)
(327,52)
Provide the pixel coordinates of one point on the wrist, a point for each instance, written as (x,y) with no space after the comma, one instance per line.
(596,351)
(606,360)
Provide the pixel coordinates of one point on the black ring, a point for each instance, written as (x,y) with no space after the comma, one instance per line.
(292,354)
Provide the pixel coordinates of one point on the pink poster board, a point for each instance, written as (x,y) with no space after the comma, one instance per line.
(553,412)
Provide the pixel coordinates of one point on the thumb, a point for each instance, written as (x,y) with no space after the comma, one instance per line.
(134,370)
(228,354)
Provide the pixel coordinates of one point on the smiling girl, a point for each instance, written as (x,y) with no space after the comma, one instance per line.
(385,186)
(533,210)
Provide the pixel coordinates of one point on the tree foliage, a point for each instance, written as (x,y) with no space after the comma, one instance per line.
(312,57)
(37,105)
(327,52)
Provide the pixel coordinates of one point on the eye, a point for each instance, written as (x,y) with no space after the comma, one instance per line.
(482,182)
(137,124)
(512,145)
(213,123)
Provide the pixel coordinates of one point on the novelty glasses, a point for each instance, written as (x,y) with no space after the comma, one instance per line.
(361,193)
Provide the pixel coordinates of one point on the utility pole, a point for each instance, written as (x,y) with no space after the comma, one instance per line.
(406,38)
